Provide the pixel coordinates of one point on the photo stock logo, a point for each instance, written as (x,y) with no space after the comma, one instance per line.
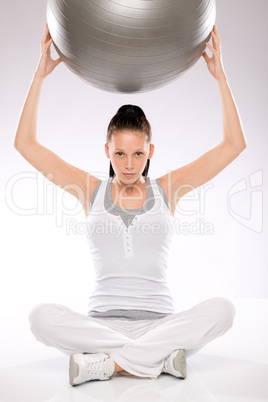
(245,202)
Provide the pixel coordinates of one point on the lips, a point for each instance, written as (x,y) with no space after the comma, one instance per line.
(128,174)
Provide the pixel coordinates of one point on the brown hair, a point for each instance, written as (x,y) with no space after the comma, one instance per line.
(130,117)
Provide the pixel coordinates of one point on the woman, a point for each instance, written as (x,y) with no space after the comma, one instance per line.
(131,326)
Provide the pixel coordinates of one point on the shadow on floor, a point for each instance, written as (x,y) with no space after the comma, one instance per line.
(218,377)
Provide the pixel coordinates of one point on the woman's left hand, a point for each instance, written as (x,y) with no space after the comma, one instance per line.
(214,63)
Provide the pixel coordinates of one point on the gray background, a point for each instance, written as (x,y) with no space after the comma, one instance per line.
(42,260)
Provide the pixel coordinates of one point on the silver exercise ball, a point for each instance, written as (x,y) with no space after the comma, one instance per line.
(130,45)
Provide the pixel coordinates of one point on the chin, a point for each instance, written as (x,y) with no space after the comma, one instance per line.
(126,179)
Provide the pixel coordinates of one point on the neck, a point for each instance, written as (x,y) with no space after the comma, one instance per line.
(140,181)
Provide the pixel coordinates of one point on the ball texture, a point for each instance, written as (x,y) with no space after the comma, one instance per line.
(130,45)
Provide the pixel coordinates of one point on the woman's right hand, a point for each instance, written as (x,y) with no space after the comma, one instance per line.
(46,64)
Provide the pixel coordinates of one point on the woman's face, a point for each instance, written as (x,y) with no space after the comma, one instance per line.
(129,151)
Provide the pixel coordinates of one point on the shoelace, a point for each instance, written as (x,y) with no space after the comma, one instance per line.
(165,364)
(96,367)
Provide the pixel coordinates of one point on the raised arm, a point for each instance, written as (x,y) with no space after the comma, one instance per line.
(77,182)
(26,130)
(180,181)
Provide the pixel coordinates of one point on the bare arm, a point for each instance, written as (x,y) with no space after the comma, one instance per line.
(26,129)
(180,181)
(70,178)
(232,126)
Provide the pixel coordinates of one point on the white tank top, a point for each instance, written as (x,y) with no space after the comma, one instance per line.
(129,248)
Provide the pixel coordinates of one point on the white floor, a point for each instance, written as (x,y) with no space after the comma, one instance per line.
(233,368)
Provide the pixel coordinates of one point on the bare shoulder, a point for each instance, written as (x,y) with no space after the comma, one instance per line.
(170,190)
(90,183)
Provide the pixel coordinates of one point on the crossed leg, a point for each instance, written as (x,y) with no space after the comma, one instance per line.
(192,329)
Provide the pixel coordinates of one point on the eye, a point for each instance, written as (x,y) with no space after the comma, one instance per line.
(140,153)
(119,153)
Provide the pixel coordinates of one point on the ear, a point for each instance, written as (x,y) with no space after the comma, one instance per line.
(107,151)
(151,151)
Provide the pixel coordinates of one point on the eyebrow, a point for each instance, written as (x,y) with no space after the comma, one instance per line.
(140,149)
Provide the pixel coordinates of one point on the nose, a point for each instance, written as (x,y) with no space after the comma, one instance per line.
(129,163)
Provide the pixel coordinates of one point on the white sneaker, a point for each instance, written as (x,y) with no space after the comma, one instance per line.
(175,364)
(90,366)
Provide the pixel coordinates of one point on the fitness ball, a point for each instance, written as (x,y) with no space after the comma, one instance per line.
(130,45)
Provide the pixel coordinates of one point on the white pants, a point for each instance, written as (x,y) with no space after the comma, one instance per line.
(138,346)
